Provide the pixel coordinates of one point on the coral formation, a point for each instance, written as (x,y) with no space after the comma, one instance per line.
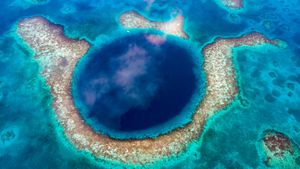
(58,56)
(232,4)
(280,150)
(132,19)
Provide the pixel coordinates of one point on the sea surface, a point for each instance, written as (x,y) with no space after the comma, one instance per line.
(136,88)
(268,79)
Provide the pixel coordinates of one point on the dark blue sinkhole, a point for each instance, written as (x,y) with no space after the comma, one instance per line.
(138,86)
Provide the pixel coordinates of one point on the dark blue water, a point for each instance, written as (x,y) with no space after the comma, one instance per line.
(132,84)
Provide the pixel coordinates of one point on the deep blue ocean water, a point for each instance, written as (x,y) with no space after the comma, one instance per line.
(269,79)
(131,85)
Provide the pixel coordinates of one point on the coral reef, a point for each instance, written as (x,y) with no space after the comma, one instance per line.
(7,136)
(280,150)
(58,56)
(132,19)
(232,4)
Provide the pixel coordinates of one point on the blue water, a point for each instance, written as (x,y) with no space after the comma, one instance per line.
(132,85)
(268,80)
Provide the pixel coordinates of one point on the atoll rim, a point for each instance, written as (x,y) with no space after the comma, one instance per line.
(151,84)
(221,88)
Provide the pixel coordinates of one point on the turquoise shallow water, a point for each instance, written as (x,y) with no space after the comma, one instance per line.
(269,80)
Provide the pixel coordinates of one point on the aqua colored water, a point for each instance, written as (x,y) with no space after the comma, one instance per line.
(269,80)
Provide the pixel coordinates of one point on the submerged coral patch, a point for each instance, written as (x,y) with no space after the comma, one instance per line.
(280,150)
(7,136)
(231,4)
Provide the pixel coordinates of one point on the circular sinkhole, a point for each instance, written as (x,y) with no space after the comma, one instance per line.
(138,86)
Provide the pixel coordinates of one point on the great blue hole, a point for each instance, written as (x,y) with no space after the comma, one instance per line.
(137,86)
